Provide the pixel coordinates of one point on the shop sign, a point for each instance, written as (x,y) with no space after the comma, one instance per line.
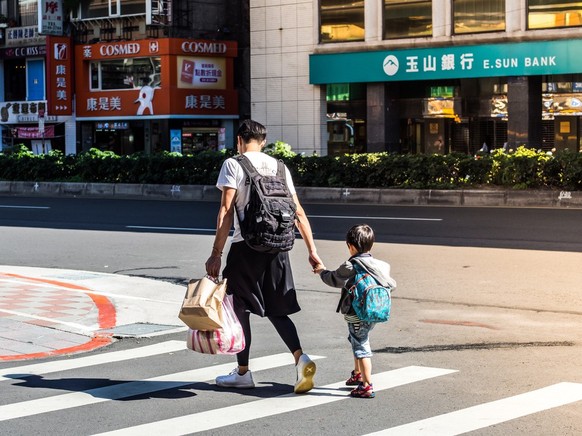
(111,126)
(120,49)
(50,17)
(491,60)
(28,35)
(22,52)
(204,47)
(59,75)
(21,111)
(202,101)
(144,104)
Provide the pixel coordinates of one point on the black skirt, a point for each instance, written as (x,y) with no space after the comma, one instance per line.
(260,283)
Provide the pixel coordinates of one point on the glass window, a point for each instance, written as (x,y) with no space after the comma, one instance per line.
(474,16)
(407,18)
(341,20)
(133,7)
(28,10)
(112,8)
(125,73)
(545,14)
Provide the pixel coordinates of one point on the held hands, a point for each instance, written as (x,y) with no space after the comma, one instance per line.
(315,262)
(317,269)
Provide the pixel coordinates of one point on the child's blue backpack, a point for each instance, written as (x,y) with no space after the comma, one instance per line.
(372,301)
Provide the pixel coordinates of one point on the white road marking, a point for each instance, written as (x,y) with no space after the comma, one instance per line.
(133,388)
(217,418)
(84,328)
(374,218)
(23,207)
(98,359)
(495,412)
(190,229)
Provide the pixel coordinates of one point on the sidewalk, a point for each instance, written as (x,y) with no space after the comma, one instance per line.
(494,197)
(48,312)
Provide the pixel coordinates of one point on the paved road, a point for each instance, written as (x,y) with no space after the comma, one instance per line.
(474,329)
(542,229)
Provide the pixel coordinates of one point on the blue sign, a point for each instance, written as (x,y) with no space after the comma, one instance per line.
(176,140)
(458,62)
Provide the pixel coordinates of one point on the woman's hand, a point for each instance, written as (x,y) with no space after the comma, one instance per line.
(213,266)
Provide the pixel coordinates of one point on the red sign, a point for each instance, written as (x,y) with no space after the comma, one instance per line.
(35,133)
(196,78)
(59,56)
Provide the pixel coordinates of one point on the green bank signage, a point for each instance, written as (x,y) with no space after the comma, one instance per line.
(492,60)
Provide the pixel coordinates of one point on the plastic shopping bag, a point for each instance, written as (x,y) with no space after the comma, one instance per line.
(229,339)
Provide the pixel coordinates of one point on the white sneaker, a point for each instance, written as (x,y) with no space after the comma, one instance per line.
(305,371)
(235,380)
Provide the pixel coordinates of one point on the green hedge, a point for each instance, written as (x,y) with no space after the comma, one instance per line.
(520,169)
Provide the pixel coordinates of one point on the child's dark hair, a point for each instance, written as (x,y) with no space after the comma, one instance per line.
(250,130)
(361,236)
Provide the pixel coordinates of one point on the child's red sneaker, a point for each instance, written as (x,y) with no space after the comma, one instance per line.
(354,380)
(363,391)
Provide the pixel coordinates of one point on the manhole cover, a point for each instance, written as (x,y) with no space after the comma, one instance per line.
(140,329)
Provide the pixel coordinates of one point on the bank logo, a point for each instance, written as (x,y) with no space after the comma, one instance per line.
(154,46)
(391,65)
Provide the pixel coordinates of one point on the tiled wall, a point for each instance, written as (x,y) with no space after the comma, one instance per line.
(283,34)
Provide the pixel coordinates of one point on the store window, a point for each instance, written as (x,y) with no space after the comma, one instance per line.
(407,18)
(15,79)
(547,14)
(341,20)
(125,73)
(476,16)
(346,118)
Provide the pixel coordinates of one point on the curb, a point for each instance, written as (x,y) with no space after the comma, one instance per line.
(106,319)
(396,197)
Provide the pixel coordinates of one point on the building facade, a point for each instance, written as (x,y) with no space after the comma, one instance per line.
(416,76)
(123,75)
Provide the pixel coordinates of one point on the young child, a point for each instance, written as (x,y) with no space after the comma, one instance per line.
(360,239)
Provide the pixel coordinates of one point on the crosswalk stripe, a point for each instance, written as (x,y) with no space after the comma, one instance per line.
(495,412)
(213,419)
(139,387)
(98,359)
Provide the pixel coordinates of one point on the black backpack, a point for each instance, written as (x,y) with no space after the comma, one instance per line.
(269,223)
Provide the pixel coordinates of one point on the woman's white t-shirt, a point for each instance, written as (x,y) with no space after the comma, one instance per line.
(233,176)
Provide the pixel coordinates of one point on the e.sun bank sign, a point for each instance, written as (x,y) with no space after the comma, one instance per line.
(493,60)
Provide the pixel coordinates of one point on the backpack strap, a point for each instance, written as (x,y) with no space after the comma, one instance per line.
(361,269)
(253,174)
(247,166)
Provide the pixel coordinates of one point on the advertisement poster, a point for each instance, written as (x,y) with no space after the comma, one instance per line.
(205,73)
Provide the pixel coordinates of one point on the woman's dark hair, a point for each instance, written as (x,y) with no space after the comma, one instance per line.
(250,130)
(361,236)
